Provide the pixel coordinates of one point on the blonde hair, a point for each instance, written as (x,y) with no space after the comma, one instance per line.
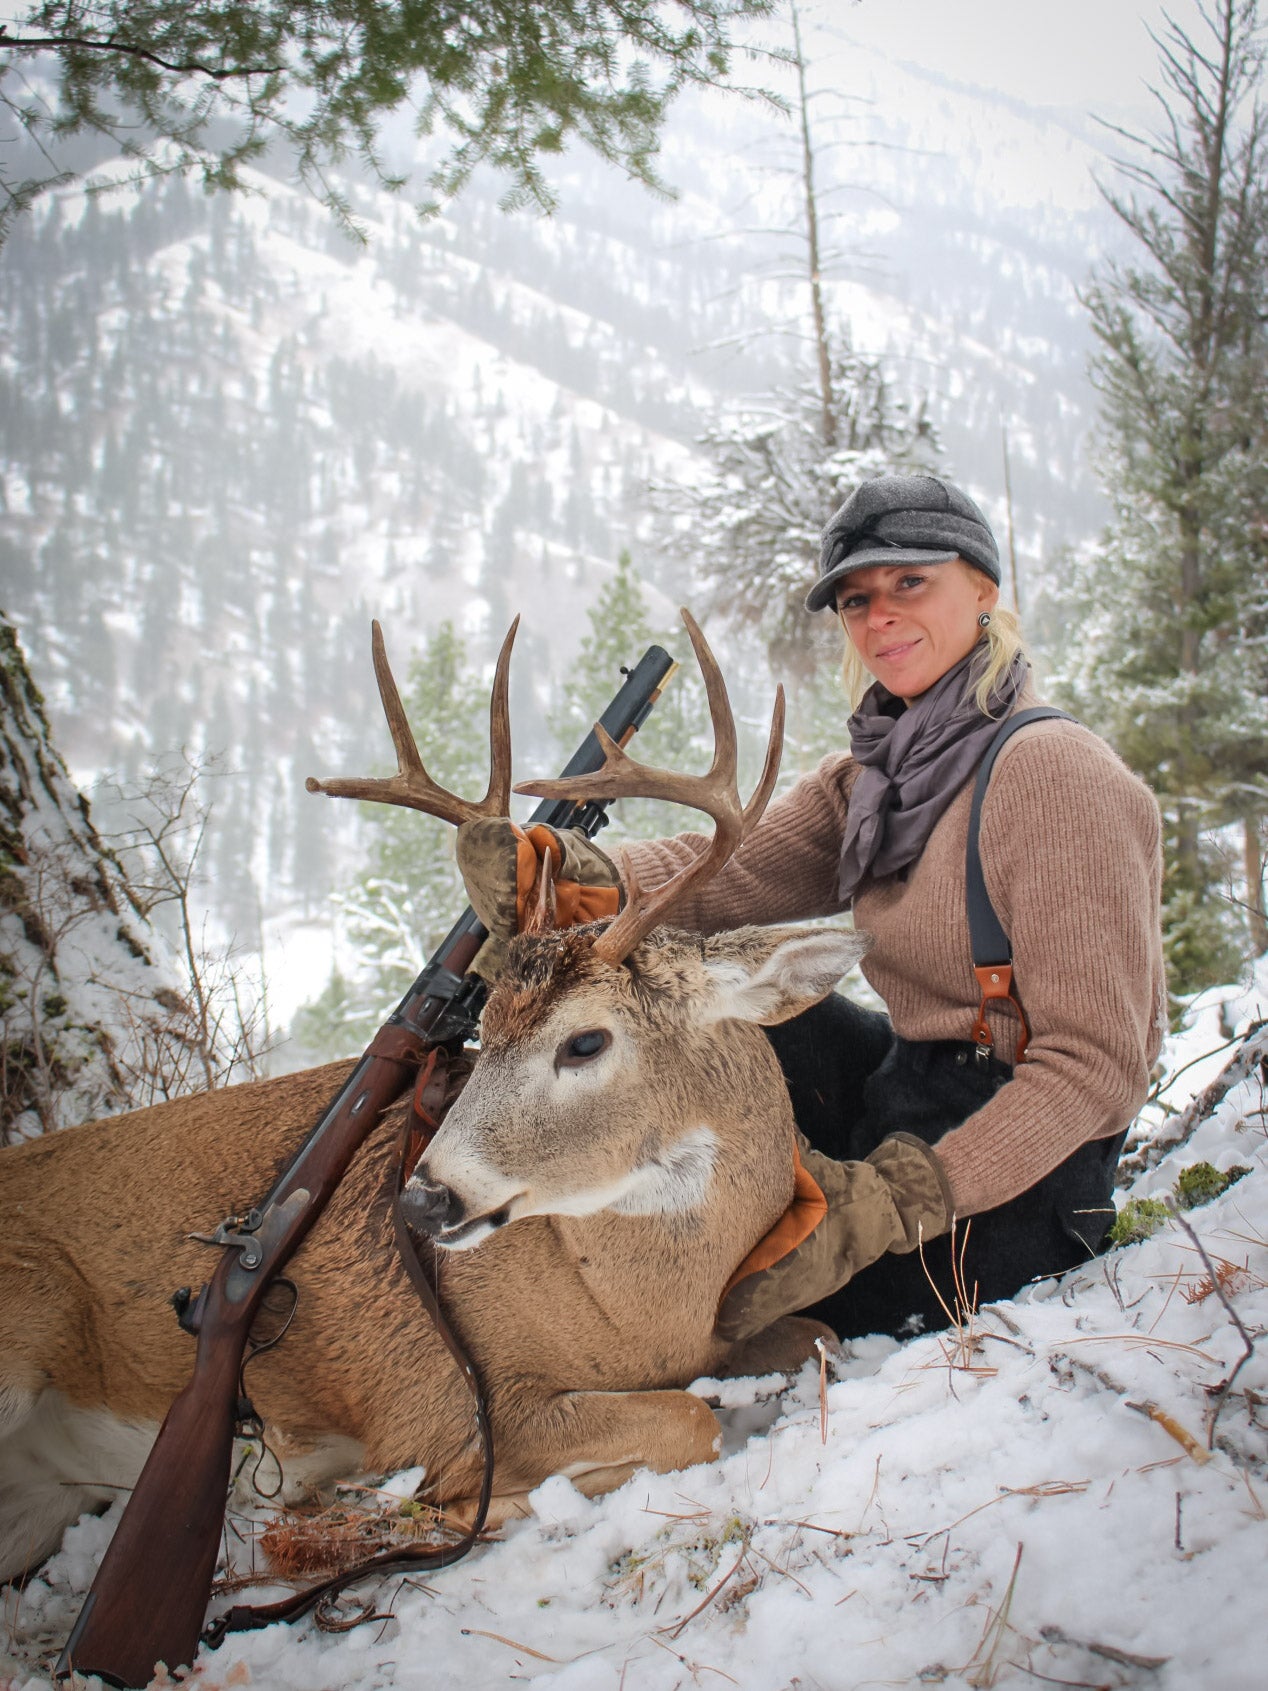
(993,657)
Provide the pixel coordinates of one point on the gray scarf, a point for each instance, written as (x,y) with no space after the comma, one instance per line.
(913,761)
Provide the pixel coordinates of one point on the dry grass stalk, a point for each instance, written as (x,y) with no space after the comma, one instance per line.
(1138,1341)
(1053,1635)
(984,1668)
(823,1390)
(512,1644)
(1048,1488)
(693,1668)
(812,1526)
(1045,1488)
(960,1349)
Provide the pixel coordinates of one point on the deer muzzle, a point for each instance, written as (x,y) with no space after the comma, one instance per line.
(431,1209)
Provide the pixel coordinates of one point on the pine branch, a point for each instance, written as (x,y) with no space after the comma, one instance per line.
(112,44)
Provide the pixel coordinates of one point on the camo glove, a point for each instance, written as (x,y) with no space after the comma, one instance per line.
(499,864)
(891,1201)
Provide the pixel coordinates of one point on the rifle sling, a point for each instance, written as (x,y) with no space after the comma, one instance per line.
(432,1097)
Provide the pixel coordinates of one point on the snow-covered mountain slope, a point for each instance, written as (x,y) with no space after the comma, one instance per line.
(228,436)
(1058,1492)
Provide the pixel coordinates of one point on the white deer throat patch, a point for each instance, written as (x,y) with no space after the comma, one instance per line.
(675,1182)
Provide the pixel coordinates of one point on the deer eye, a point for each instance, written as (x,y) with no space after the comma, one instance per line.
(582,1048)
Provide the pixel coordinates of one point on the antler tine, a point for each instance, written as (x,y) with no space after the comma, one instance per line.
(770,769)
(412,786)
(497,798)
(725,750)
(542,917)
(716,793)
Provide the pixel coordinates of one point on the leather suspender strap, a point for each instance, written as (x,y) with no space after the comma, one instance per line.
(992,950)
(432,1096)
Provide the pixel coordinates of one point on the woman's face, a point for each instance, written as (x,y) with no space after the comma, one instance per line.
(911,623)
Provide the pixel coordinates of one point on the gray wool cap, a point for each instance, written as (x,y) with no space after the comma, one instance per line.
(902,520)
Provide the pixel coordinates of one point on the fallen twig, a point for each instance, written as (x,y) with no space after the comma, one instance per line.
(1109,1652)
(1219,1394)
(1252,1051)
(1183,1437)
(674,1631)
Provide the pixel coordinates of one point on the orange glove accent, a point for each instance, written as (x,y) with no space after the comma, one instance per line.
(798,1222)
(574,903)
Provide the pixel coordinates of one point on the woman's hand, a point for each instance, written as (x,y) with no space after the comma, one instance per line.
(499,862)
(892,1201)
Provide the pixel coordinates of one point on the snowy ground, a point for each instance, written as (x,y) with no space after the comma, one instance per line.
(1034,1505)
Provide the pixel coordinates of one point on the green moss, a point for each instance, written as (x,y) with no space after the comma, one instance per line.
(1138,1219)
(1201,1183)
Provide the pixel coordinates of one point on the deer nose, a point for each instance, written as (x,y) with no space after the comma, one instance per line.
(430,1209)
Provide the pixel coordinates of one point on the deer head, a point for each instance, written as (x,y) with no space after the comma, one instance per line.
(620,1088)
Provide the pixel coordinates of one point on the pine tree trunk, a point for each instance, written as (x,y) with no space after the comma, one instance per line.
(1253,862)
(828,421)
(71,937)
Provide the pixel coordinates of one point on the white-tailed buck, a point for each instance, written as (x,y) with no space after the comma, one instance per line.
(624,1140)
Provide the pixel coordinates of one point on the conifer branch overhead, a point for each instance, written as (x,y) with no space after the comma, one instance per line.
(206,86)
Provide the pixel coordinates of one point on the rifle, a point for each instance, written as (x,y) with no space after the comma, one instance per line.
(149,1598)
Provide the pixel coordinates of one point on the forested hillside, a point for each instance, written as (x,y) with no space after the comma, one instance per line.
(228,435)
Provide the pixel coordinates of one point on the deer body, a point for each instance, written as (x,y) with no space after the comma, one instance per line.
(624,1191)
(624,1140)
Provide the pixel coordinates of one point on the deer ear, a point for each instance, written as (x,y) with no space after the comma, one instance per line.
(767,975)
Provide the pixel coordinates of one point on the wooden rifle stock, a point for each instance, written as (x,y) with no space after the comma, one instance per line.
(148,1601)
(149,1598)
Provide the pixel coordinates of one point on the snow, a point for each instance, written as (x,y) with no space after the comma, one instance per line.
(1006,1506)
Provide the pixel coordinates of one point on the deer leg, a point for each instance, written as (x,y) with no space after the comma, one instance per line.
(598,1440)
(781,1348)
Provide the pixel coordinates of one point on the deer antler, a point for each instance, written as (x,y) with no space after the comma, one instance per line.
(412,786)
(716,793)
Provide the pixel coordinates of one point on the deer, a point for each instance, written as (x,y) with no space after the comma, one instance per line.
(623,1142)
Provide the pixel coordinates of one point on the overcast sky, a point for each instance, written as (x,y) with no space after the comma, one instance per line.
(1091,54)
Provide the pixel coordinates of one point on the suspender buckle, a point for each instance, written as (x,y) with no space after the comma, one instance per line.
(996,983)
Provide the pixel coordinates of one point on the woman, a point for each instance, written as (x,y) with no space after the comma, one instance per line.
(1070,851)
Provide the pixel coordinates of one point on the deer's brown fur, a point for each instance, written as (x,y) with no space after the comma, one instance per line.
(584,1326)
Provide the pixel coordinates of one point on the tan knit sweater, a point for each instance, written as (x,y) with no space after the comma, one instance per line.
(1070,848)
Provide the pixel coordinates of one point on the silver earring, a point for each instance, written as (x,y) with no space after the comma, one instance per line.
(984,621)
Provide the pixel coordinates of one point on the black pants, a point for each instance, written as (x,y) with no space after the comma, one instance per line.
(852,1081)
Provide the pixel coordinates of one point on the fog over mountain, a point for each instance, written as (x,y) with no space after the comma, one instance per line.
(229,436)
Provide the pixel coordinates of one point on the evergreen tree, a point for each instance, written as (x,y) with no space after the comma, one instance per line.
(752,522)
(750,527)
(406,900)
(675,735)
(1168,616)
